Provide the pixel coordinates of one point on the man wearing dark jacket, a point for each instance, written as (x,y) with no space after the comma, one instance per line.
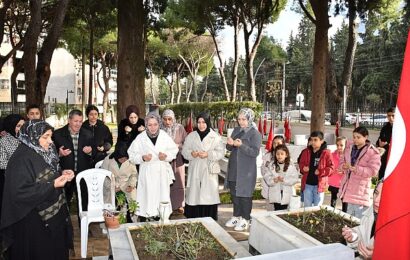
(102,137)
(74,146)
(385,139)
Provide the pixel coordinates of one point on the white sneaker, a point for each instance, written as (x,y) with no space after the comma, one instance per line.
(242,225)
(232,222)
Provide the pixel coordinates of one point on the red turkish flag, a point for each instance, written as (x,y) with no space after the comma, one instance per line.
(260,129)
(221,124)
(392,237)
(337,129)
(287,130)
(188,127)
(269,142)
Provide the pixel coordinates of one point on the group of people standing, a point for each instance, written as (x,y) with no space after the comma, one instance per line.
(39,165)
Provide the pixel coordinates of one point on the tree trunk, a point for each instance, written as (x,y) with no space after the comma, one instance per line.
(131,54)
(151,78)
(250,56)
(250,81)
(105,67)
(3,14)
(236,26)
(188,90)
(91,58)
(334,98)
(13,82)
(321,50)
(221,65)
(83,88)
(171,83)
(45,55)
(351,47)
(179,83)
(30,51)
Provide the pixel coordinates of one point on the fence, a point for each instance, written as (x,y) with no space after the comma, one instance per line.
(371,116)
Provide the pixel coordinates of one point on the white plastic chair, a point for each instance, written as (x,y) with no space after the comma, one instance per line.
(94,178)
(99,164)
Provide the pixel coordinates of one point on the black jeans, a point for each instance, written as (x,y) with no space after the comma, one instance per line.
(242,206)
(333,191)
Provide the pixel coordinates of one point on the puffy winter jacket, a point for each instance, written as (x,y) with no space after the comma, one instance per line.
(325,167)
(355,186)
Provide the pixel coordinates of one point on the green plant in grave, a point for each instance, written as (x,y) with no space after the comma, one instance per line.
(122,206)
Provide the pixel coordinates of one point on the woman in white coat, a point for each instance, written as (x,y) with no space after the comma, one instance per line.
(203,149)
(153,150)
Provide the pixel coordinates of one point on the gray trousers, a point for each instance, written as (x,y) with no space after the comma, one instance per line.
(242,206)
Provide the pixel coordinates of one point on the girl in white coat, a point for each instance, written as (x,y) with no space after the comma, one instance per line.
(203,148)
(153,150)
(279,176)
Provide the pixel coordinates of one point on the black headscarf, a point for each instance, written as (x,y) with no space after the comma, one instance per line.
(30,134)
(205,116)
(120,151)
(10,122)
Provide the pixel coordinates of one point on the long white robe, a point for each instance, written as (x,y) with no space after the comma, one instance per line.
(155,176)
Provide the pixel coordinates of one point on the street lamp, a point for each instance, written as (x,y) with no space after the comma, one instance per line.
(66,100)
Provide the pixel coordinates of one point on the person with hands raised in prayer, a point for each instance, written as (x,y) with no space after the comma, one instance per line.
(203,148)
(244,144)
(153,150)
(74,145)
(35,221)
(362,236)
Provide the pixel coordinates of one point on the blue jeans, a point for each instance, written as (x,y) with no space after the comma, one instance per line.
(312,197)
(356,210)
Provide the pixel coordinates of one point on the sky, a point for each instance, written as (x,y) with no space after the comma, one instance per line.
(286,24)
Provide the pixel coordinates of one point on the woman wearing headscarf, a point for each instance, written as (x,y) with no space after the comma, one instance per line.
(244,144)
(131,126)
(153,150)
(35,221)
(178,134)
(8,144)
(203,148)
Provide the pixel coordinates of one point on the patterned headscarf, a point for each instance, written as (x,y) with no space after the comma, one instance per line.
(250,116)
(30,134)
(172,129)
(155,116)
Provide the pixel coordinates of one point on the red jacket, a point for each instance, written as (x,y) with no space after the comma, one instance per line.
(325,168)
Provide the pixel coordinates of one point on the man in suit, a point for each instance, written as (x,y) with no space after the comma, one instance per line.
(74,146)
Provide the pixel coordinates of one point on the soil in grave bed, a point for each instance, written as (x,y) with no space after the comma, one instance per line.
(324,225)
(179,241)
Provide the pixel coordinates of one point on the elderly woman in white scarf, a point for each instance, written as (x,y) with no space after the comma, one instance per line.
(177,133)
(244,144)
(153,150)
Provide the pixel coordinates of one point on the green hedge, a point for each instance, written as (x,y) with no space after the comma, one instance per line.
(215,109)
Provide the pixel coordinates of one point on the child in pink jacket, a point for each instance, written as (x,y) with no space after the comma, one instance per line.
(361,162)
(336,177)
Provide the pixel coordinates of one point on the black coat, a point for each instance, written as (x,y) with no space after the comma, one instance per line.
(129,137)
(101,137)
(62,137)
(29,189)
